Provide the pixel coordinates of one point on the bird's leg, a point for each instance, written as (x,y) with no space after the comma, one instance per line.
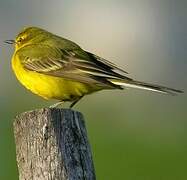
(56,104)
(75,102)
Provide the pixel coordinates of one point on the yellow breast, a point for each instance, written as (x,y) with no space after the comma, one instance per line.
(49,87)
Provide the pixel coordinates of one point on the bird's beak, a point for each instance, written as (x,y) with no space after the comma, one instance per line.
(10,41)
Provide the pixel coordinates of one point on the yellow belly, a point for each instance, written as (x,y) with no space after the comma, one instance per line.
(50,87)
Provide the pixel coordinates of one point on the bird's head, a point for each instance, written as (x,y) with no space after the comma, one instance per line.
(29,35)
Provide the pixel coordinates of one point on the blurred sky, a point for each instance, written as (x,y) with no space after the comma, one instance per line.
(148,38)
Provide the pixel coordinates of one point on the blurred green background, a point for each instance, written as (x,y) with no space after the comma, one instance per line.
(135,135)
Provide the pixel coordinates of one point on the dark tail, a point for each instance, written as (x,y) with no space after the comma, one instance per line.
(146,86)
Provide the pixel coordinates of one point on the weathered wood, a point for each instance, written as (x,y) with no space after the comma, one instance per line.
(52,144)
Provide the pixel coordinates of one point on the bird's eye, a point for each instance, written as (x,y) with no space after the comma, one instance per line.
(20,39)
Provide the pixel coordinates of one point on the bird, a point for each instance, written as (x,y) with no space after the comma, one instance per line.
(54,67)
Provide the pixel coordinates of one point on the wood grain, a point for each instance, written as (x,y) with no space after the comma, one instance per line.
(52,144)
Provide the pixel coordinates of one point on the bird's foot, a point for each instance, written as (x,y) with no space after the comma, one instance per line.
(56,104)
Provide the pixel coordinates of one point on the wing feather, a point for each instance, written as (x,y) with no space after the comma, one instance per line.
(76,65)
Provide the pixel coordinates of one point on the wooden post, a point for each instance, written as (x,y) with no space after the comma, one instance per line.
(52,144)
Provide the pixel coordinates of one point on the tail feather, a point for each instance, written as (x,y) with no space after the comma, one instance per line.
(146,86)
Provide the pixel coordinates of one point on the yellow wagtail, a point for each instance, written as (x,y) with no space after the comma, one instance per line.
(56,68)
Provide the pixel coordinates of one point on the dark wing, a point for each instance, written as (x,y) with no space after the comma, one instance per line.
(105,63)
(76,65)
